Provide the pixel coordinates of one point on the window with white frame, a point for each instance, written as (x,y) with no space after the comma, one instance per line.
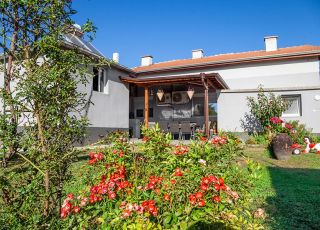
(100,81)
(294,109)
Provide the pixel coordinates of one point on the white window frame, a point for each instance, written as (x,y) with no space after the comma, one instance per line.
(104,87)
(295,96)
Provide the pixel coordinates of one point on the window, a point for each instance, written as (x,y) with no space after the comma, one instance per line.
(198,109)
(294,109)
(100,81)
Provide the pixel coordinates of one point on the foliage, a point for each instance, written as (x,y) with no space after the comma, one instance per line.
(261,139)
(47,75)
(156,142)
(163,187)
(113,136)
(266,106)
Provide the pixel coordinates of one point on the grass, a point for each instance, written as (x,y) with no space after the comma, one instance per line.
(289,191)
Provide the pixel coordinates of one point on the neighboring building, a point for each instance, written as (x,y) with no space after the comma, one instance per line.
(292,72)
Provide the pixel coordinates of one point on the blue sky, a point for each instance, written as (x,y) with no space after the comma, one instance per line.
(170,29)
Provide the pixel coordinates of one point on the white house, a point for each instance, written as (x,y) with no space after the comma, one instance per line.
(291,72)
(206,92)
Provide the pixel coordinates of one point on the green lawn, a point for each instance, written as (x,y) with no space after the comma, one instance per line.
(289,191)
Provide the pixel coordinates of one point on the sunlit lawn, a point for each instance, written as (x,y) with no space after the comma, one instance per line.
(288,190)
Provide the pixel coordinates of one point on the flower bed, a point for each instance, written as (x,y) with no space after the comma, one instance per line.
(162,186)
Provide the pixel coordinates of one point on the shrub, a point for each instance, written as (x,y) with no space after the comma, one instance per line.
(266,106)
(163,187)
(113,136)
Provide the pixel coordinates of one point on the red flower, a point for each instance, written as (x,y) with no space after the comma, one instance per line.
(201,203)
(180,150)
(173,181)
(212,179)
(192,199)
(275,120)
(126,213)
(199,195)
(112,195)
(218,140)
(178,172)
(221,181)
(288,126)
(217,199)
(216,187)
(203,138)
(205,180)
(166,197)
(204,187)
(76,209)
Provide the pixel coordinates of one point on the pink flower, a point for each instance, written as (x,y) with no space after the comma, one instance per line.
(275,120)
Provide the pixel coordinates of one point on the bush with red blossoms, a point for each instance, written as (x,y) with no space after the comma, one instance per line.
(159,185)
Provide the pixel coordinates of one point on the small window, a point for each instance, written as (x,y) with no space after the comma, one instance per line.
(100,81)
(294,109)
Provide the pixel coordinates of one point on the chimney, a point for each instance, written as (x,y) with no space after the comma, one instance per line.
(115,57)
(146,60)
(77,30)
(197,53)
(271,43)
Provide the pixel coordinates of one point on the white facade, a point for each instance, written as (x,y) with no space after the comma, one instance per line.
(285,77)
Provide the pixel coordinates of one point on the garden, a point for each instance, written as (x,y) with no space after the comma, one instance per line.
(220,182)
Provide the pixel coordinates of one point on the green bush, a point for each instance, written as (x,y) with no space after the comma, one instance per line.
(163,186)
(266,106)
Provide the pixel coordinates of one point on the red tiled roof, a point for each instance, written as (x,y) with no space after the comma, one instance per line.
(251,55)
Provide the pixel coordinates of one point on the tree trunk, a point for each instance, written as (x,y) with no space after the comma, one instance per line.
(45,153)
(9,76)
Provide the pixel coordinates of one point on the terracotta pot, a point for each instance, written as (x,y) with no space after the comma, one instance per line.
(281,146)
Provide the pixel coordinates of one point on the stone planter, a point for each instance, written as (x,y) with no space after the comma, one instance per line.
(281,146)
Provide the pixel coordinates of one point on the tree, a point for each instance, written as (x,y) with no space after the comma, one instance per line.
(45,99)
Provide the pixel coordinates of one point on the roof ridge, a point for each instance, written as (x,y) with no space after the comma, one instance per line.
(216,55)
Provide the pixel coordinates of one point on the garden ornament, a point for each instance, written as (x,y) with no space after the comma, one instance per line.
(311,146)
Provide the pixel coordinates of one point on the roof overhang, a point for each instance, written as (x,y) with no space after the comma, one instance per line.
(210,64)
(214,80)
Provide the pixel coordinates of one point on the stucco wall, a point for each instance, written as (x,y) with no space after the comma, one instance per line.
(109,109)
(233,109)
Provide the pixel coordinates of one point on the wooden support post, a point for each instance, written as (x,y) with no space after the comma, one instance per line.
(206,104)
(146,106)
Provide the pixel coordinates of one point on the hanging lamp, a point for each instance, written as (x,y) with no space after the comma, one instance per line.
(160,94)
(190,92)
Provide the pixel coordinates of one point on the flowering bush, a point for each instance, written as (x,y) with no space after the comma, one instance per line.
(163,186)
(267,106)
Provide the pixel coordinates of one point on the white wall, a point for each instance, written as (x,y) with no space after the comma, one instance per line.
(232,108)
(109,110)
(297,75)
